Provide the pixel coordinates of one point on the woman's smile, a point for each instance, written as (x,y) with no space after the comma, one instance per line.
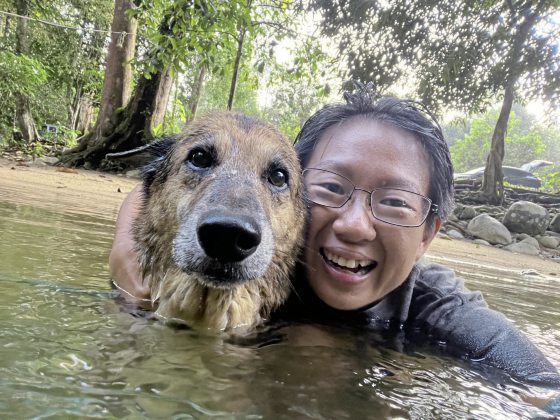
(355,265)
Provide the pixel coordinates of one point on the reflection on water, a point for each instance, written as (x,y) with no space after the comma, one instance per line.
(67,350)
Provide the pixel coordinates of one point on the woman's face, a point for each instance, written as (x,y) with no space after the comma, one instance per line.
(372,155)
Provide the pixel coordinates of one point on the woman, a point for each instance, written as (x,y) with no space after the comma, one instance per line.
(379,178)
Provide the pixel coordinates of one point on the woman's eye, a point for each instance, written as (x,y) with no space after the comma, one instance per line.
(394,202)
(278,178)
(200,158)
(333,188)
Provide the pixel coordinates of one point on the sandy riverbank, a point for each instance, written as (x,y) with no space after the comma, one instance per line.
(91,192)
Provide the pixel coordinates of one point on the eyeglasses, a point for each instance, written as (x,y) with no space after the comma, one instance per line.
(390,205)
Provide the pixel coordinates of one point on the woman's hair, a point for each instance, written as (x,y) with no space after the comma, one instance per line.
(408,115)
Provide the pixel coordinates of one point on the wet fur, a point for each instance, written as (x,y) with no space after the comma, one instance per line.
(176,197)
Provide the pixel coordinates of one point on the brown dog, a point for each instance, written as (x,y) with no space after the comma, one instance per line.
(221,226)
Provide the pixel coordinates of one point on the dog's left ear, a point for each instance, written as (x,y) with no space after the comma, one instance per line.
(151,156)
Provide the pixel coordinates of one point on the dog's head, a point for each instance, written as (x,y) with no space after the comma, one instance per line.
(224,205)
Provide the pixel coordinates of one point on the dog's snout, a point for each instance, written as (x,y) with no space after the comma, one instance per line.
(229,237)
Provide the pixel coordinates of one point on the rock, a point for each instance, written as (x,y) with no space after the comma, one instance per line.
(526,217)
(466,213)
(49,160)
(481,242)
(555,224)
(548,241)
(134,173)
(522,248)
(531,241)
(37,163)
(520,236)
(453,218)
(487,228)
(455,234)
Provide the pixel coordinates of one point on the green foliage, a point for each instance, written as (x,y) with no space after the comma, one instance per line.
(523,143)
(19,74)
(550,178)
(459,54)
(177,30)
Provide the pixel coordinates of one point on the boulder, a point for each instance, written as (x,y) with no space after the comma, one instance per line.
(526,217)
(520,236)
(487,228)
(548,241)
(455,234)
(555,224)
(37,163)
(465,212)
(531,241)
(522,248)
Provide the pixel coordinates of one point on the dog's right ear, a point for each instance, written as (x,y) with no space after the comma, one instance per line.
(152,157)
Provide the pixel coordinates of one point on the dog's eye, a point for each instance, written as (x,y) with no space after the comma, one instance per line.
(200,158)
(278,178)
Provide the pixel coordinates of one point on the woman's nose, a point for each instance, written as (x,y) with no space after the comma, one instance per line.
(355,222)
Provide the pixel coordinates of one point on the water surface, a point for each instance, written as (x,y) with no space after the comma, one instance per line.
(68,350)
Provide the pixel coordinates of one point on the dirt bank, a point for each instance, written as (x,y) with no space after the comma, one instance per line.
(91,192)
(77,191)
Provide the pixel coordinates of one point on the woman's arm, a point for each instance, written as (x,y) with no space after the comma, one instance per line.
(123,261)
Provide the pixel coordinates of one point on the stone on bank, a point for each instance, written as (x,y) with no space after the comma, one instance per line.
(526,217)
(486,227)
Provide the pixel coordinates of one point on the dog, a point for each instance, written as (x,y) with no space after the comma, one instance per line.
(221,225)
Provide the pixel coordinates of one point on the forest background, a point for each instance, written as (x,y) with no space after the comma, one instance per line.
(80,79)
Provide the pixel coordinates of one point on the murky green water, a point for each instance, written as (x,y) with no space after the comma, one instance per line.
(67,350)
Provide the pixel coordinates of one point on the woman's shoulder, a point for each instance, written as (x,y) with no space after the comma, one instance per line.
(437,279)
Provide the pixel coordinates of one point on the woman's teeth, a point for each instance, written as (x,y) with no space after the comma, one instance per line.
(343,262)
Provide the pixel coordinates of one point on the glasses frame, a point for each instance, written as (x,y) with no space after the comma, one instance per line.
(433,207)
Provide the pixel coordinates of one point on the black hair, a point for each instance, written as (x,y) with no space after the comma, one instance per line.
(408,115)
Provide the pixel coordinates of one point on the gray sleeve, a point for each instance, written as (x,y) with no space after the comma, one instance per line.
(442,308)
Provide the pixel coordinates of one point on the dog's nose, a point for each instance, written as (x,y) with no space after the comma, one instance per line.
(229,237)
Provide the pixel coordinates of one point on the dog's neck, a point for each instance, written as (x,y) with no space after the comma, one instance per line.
(185,300)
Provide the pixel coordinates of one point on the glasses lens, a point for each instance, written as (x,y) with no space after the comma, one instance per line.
(399,207)
(327,188)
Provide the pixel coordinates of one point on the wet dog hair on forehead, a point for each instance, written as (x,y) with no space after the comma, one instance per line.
(408,115)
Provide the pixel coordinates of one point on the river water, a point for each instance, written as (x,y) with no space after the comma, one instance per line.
(68,350)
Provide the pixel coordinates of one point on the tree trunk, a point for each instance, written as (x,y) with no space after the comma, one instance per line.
(118,70)
(24,118)
(84,120)
(6,33)
(236,68)
(131,128)
(74,108)
(162,98)
(237,63)
(196,92)
(493,182)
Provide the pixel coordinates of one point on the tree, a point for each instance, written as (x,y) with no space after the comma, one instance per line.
(68,61)
(118,70)
(185,29)
(24,118)
(116,86)
(460,54)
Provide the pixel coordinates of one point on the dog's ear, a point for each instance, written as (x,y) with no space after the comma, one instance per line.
(151,156)
(157,167)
